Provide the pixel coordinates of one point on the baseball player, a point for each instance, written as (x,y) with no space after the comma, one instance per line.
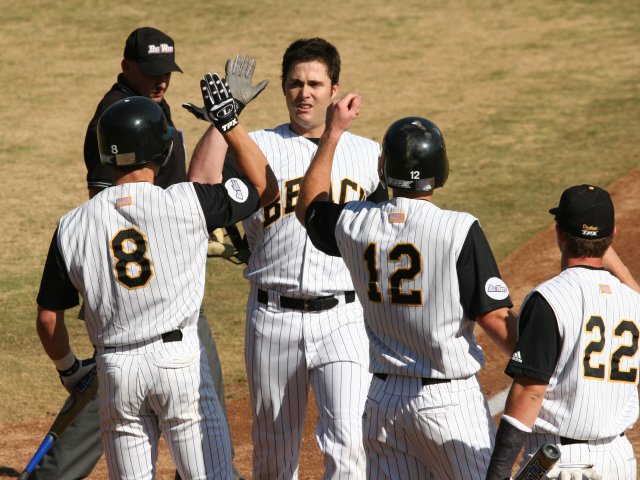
(137,255)
(147,65)
(425,277)
(575,366)
(304,324)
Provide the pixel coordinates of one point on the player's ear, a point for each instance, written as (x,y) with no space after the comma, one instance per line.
(334,89)
(559,236)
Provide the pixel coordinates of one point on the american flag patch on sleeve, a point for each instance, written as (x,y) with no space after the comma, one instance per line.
(397,217)
(604,288)
(123,202)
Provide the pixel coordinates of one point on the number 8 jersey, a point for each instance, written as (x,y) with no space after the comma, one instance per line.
(579,332)
(137,254)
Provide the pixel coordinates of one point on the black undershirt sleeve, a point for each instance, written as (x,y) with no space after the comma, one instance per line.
(539,343)
(379,195)
(225,206)
(321,221)
(56,290)
(476,264)
(230,166)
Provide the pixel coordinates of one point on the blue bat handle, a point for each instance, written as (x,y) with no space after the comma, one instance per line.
(44,447)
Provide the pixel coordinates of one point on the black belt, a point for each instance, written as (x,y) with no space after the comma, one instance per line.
(424,380)
(172,336)
(317,304)
(572,441)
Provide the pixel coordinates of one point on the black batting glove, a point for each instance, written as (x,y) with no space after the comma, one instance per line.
(219,106)
(239,75)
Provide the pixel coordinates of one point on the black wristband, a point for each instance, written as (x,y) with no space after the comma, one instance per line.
(71,370)
(509,442)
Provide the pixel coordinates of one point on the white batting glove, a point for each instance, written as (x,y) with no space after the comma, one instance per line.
(573,472)
(71,376)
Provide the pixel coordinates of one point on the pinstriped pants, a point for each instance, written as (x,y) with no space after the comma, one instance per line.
(161,388)
(434,432)
(288,351)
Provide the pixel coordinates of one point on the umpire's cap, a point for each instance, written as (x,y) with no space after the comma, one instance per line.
(414,156)
(134,131)
(152,50)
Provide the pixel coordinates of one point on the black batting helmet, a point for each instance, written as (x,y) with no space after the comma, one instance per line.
(414,155)
(134,131)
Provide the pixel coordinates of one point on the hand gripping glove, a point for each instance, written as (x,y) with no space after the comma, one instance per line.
(573,472)
(239,75)
(219,105)
(71,376)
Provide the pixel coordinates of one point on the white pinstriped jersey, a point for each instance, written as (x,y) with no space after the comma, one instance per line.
(282,256)
(137,254)
(593,391)
(402,255)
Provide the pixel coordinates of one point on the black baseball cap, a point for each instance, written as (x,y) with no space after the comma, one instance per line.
(585,211)
(153,50)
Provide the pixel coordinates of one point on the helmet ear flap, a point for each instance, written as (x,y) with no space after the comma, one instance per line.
(167,153)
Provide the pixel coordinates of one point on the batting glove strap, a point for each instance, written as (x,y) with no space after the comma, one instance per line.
(71,370)
(71,376)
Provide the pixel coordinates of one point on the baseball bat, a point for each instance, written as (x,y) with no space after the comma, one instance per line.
(83,392)
(540,464)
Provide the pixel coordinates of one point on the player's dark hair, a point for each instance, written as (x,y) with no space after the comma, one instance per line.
(583,248)
(310,50)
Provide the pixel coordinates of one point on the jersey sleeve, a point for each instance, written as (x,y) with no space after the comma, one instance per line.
(227,203)
(481,289)
(379,195)
(56,290)
(538,348)
(321,221)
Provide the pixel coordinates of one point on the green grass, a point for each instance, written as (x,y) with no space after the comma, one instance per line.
(531,97)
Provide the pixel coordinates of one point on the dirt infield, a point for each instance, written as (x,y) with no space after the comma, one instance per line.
(534,262)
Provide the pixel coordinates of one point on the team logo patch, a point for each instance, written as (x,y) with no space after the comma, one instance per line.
(237,190)
(397,217)
(495,288)
(605,289)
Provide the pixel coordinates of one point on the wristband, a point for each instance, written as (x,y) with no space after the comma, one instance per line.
(66,364)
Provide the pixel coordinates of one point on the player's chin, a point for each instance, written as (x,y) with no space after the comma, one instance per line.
(156,96)
(305,120)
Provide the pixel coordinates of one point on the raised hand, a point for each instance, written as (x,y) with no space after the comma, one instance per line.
(239,75)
